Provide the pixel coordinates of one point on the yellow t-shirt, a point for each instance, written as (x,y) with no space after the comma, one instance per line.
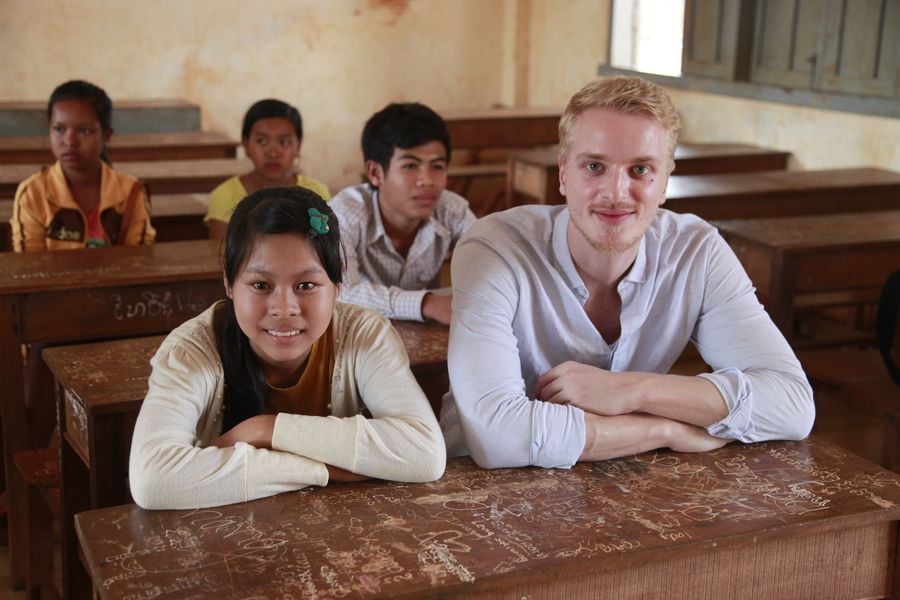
(226,196)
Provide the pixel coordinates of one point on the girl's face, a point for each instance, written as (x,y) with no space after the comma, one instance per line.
(283,300)
(76,136)
(273,147)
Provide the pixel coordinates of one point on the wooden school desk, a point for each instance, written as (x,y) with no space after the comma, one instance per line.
(176,217)
(179,145)
(76,295)
(784,193)
(503,127)
(821,260)
(776,520)
(161,176)
(100,389)
(533,175)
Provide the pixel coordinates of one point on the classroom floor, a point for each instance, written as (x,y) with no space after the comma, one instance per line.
(5,592)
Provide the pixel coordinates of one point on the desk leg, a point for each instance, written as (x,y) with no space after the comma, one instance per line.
(75,498)
(15,431)
(109,438)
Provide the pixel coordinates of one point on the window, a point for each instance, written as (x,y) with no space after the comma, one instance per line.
(830,46)
(647,35)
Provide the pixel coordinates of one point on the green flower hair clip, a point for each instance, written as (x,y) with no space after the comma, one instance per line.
(318,223)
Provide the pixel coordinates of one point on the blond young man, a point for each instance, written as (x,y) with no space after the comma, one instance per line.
(567,319)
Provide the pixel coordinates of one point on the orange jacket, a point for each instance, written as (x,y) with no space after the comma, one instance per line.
(46,217)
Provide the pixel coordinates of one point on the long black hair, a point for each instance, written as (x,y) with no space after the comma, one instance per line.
(269,211)
(96,98)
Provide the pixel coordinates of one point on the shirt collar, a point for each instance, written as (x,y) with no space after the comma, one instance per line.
(378,233)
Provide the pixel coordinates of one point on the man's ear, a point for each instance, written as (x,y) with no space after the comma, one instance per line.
(374,173)
(562,175)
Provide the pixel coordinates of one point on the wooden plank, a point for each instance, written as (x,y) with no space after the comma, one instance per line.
(29,117)
(180,145)
(503,127)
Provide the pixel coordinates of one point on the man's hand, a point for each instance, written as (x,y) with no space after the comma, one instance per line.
(437,307)
(256,431)
(590,388)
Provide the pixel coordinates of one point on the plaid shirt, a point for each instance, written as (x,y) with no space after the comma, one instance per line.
(376,275)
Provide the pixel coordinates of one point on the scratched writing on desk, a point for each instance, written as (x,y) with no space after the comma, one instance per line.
(380,539)
(156,304)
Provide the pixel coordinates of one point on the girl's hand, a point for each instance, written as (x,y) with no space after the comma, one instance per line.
(256,431)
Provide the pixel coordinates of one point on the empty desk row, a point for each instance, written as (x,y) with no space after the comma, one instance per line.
(533,175)
(181,145)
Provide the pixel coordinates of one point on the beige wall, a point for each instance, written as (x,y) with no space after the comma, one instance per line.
(337,60)
(819,139)
(340,60)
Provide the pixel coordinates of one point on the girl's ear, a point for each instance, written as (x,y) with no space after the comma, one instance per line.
(107,134)
(227,288)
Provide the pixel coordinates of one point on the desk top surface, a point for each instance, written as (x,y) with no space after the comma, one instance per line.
(817,231)
(112,376)
(28,272)
(476,527)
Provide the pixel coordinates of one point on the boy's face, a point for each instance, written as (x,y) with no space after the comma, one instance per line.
(408,191)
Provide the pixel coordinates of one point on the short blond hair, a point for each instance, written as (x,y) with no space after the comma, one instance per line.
(627,94)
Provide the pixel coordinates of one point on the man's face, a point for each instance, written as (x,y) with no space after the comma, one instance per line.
(408,191)
(614,178)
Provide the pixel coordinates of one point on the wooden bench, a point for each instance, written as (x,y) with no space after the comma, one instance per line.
(776,520)
(161,176)
(22,118)
(176,217)
(816,261)
(100,388)
(784,193)
(533,175)
(38,471)
(77,295)
(178,145)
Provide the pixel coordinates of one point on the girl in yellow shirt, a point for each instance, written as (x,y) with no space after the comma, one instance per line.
(271,136)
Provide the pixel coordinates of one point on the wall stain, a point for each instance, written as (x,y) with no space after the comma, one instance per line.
(397,7)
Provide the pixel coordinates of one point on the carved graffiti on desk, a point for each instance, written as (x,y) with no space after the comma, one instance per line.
(376,538)
(156,304)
